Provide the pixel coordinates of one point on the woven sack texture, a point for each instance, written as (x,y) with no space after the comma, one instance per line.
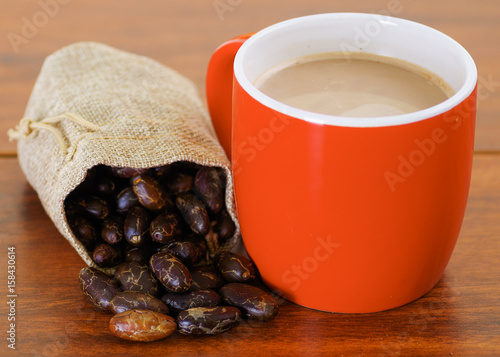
(93,104)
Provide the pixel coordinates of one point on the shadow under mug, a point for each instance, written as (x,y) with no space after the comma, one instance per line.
(346,214)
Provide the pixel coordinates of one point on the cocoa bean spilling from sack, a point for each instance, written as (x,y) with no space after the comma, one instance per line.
(115,210)
(168,289)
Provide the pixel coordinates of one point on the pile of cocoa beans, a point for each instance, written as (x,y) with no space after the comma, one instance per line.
(152,225)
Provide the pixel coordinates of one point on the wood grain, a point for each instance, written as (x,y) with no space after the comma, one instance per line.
(460,316)
(183,35)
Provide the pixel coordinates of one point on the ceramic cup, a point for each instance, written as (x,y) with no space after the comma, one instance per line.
(346,214)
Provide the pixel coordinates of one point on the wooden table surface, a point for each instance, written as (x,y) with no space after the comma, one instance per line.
(459,317)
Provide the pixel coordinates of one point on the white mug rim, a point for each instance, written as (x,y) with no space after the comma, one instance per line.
(461,94)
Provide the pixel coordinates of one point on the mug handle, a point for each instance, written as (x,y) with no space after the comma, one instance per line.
(219,89)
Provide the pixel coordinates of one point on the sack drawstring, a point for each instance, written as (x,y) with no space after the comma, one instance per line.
(27,126)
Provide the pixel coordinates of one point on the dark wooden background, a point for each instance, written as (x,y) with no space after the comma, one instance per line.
(459,317)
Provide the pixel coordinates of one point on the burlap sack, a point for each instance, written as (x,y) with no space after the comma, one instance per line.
(93,104)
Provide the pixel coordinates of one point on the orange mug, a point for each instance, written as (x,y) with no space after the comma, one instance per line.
(346,214)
